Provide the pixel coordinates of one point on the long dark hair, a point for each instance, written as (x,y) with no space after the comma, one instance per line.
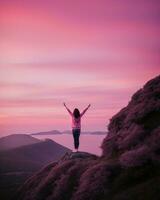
(76,113)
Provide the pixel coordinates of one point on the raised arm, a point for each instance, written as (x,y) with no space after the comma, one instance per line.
(85,110)
(67,109)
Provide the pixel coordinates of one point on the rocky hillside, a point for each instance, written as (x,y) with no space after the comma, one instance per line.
(128,169)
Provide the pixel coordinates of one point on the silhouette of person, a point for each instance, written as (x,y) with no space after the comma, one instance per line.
(76,123)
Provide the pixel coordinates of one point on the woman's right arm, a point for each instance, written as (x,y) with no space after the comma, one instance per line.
(67,109)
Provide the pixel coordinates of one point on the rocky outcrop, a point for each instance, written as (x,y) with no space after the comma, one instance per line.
(128,168)
(59,179)
(134,133)
(78,154)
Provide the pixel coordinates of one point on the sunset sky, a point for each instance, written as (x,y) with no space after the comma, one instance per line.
(74,51)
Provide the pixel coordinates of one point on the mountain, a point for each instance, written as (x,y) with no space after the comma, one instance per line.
(16,140)
(18,164)
(67,132)
(98,133)
(87,132)
(53,132)
(31,156)
(128,169)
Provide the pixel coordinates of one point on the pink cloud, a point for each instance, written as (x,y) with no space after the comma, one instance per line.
(84,51)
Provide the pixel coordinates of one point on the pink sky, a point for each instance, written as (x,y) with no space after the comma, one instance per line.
(79,52)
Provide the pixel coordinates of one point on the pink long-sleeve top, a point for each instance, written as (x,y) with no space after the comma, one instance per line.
(76,122)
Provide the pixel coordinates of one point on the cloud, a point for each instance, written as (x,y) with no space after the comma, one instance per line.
(76,51)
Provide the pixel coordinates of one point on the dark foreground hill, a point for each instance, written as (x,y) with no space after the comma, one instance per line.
(129,168)
(17,164)
(16,140)
(31,157)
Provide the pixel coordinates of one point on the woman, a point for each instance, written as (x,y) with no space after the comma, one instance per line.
(76,124)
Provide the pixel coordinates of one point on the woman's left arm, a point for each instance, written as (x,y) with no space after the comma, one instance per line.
(85,110)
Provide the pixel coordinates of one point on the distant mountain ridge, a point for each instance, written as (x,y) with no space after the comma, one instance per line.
(16,140)
(55,132)
(87,132)
(52,132)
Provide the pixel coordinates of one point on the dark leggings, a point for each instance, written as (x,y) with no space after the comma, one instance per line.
(76,134)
